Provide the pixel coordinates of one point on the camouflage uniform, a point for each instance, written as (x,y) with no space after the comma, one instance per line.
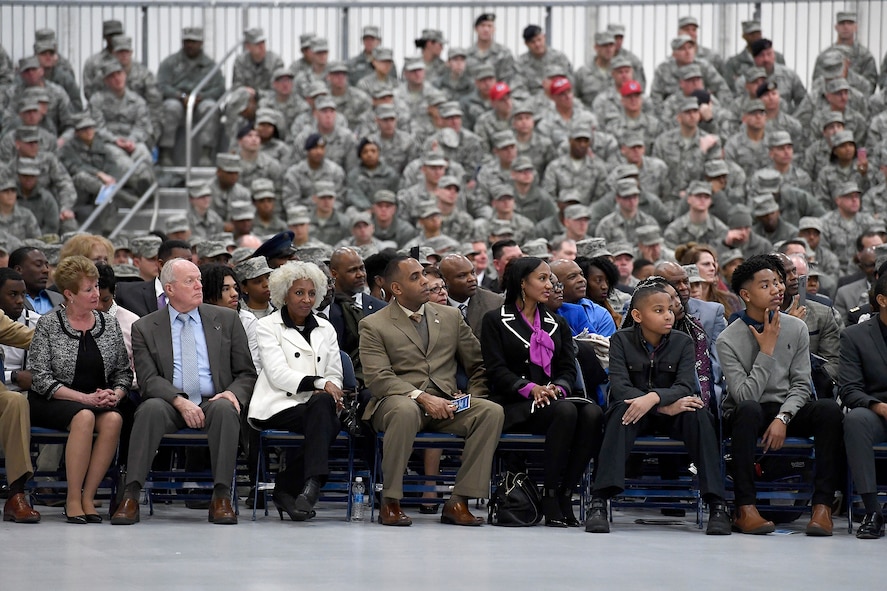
(796,177)
(363,184)
(815,102)
(590,81)
(58,116)
(532,69)
(212,223)
(470,152)
(411,200)
(736,65)
(524,228)
(21,224)
(92,78)
(47,142)
(360,66)
(341,147)
(179,75)
(665,81)
(539,150)
(398,151)
(269,228)
(299,180)
(750,155)
(141,81)
(816,157)
(647,124)
(557,129)
(257,76)
(862,62)
(789,84)
(874,201)
(43,207)
(290,110)
(488,124)
(223,199)
(399,232)
(682,230)
(263,167)
(460,226)
(720,123)
(416,102)
(833,175)
(371,84)
(83,162)
(684,159)
(7,69)
(126,117)
(839,234)
(536,205)
(455,89)
(353,104)
(877,131)
(614,227)
(589,179)
(53,177)
(497,56)
(473,107)
(277,149)
(329,231)
(787,123)
(68,81)
(648,204)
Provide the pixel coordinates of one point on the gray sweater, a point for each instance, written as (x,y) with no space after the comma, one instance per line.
(783,377)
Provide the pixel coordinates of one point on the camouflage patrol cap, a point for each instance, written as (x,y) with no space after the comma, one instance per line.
(764,204)
(28,167)
(251,268)
(501,228)
(191,34)
(241,211)
(27,134)
(689,71)
(536,248)
(779,138)
(716,168)
(145,246)
(177,223)
(111,66)
(121,43)
(211,248)
(254,35)
(649,235)
(228,162)
(592,247)
(111,27)
(282,73)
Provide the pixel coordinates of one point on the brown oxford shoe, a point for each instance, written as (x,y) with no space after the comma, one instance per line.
(221,512)
(749,521)
(127,512)
(457,513)
(18,510)
(391,514)
(820,523)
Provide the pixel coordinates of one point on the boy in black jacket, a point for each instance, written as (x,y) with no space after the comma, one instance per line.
(653,388)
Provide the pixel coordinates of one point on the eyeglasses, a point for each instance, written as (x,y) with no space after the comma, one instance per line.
(557,286)
(438,289)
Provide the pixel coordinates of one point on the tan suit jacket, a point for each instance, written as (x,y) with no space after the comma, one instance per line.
(395,363)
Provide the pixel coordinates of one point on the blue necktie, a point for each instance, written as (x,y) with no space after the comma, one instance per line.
(190,377)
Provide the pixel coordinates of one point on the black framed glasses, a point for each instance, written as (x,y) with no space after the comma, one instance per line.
(436,290)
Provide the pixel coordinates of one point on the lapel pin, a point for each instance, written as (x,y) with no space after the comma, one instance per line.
(436,321)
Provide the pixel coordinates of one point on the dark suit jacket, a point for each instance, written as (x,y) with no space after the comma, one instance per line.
(370,305)
(137,297)
(55,298)
(861,376)
(506,351)
(228,350)
(395,362)
(479,304)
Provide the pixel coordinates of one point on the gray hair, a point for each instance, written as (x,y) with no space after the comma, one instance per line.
(282,279)
(168,271)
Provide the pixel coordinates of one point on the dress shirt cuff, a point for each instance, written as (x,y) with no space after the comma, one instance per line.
(319,383)
(415,393)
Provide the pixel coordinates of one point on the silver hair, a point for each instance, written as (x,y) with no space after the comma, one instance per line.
(282,279)
(168,271)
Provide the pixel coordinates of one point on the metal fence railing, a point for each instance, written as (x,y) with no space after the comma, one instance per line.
(800,29)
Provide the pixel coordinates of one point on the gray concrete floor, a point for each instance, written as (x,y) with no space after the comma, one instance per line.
(177,549)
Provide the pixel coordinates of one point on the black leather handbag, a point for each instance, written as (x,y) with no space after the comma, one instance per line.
(515,503)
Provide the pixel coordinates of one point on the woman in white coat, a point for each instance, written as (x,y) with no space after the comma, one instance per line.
(300,386)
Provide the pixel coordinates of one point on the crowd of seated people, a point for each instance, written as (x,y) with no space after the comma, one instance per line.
(475,222)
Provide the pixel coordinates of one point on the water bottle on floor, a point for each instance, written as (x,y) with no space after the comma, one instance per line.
(358,500)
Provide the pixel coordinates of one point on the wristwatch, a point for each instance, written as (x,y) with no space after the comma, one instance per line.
(784,417)
(414,396)
(13,376)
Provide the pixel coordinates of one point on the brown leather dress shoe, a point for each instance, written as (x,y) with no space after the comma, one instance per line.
(457,513)
(749,521)
(18,510)
(391,514)
(821,523)
(221,512)
(127,512)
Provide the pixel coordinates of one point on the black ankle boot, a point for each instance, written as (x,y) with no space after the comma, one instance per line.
(551,509)
(308,497)
(565,500)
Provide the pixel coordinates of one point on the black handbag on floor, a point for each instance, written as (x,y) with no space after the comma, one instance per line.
(516,501)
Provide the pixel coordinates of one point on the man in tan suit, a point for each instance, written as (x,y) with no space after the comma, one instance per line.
(409,353)
(15,431)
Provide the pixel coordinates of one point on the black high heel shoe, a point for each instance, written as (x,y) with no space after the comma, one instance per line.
(308,497)
(287,503)
(552,510)
(565,501)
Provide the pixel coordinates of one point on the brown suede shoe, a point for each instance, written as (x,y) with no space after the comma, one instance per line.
(221,512)
(749,521)
(127,512)
(391,514)
(457,513)
(821,523)
(18,510)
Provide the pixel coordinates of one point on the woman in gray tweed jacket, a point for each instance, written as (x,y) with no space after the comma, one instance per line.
(80,372)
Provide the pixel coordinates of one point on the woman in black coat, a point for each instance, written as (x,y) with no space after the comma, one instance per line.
(531,368)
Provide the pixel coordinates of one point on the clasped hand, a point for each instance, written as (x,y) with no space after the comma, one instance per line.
(544,395)
(104,398)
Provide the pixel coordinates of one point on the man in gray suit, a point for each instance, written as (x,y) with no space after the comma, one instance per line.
(473,301)
(410,352)
(195,371)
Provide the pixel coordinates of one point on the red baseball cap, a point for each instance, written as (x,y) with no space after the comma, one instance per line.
(560,85)
(631,87)
(500,90)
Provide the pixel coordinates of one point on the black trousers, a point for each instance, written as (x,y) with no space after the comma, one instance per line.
(572,437)
(318,421)
(820,419)
(695,429)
